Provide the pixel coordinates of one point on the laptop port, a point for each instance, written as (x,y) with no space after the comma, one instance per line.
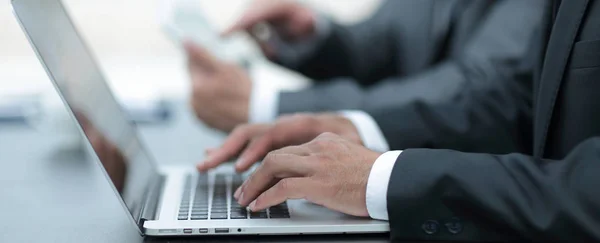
(221,230)
(187,231)
(203,230)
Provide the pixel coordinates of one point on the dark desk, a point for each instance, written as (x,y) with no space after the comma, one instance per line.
(50,196)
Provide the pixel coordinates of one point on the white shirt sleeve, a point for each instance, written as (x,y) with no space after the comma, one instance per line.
(377,185)
(264,99)
(379,177)
(369,131)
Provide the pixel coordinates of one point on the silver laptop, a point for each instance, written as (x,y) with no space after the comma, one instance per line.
(160,201)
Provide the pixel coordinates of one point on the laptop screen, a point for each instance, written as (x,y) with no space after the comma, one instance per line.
(76,75)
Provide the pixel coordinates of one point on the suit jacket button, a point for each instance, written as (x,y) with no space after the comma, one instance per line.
(454,226)
(430,227)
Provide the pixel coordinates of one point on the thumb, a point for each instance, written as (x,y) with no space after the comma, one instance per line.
(200,56)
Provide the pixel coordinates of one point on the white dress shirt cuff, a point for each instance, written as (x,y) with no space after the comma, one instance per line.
(264,99)
(292,54)
(377,185)
(369,131)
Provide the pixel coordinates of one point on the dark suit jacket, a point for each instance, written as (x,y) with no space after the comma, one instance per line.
(416,50)
(551,194)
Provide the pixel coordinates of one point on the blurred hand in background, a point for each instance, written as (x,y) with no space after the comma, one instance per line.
(220,90)
(252,142)
(290,20)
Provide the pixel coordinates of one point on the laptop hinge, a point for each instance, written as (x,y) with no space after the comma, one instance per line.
(150,207)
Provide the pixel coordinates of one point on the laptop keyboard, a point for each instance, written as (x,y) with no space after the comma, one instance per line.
(196,204)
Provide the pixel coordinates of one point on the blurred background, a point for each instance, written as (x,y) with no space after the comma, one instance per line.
(142,64)
(138,59)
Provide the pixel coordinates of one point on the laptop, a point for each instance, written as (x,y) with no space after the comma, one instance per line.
(160,201)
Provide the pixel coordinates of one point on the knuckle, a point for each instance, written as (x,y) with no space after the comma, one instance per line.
(321,143)
(270,160)
(327,135)
(241,130)
(307,121)
(283,186)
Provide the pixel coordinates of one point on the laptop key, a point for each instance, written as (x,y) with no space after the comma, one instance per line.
(182,218)
(218,216)
(238,216)
(278,212)
(258,216)
(200,217)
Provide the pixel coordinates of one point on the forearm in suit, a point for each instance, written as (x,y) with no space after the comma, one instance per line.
(493,54)
(437,84)
(360,51)
(496,196)
(492,119)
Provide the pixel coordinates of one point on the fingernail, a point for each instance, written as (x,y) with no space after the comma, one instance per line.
(241,198)
(236,195)
(252,205)
(238,162)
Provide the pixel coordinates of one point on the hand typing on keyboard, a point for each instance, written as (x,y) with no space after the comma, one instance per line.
(263,138)
(329,171)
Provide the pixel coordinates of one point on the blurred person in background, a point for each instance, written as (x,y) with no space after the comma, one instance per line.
(430,51)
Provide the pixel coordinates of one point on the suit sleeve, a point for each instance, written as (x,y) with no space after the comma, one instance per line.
(492,54)
(349,50)
(496,197)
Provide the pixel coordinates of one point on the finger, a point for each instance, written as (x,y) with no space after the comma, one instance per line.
(237,193)
(200,57)
(256,150)
(255,16)
(297,150)
(209,151)
(283,133)
(232,146)
(273,168)
(259,148)
(290,188)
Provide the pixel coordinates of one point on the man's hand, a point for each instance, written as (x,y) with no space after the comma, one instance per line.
(220,91)
(329,171)
(253,142)
(291,21)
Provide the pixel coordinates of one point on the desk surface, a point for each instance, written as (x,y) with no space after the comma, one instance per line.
(51,196)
